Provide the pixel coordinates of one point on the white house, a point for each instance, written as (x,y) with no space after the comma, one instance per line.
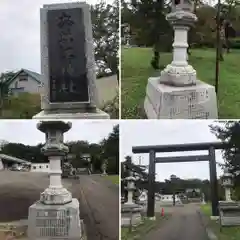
(40,167)
(25,81)
(165,199)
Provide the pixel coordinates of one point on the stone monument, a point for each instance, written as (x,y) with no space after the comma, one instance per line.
(56,214)
(229,209)
(67,63)
(130,211)
(177,93)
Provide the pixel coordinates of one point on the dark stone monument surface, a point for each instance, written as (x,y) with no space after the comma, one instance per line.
(67,56)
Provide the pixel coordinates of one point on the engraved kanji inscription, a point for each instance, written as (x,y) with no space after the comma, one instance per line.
(67,56)
(53,223)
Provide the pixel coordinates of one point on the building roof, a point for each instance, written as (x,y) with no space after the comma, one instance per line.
(36,76)
(13,159)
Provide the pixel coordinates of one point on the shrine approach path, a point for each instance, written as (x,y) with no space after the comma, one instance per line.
(184,224)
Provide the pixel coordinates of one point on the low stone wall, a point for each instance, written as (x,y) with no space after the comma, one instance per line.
(107,89)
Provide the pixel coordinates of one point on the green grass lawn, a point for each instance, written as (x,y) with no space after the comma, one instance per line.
(227,233)
(143,229)
(113,178)
(136,70)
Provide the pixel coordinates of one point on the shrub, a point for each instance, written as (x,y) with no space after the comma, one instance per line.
(112,108)
(25,105)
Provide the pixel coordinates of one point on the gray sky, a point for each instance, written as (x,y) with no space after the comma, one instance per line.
(137,133)
(20,38)
(25,131)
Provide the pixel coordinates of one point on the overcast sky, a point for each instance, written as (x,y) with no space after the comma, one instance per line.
(137,133)
(20,28)
(25,131)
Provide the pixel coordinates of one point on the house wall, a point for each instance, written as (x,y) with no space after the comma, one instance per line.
(39,167)
(30,86)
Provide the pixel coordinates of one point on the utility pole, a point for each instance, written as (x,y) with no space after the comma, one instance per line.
(218,48)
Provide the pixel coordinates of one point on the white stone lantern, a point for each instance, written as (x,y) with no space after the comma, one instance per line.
(55,150)
(227,183)
(130,211)
(177,93)
(179,72)
(130,188)
(56,215)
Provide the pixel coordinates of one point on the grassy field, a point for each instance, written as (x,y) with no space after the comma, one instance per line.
(142,230)
(113,178)
(227,233)
(136,70)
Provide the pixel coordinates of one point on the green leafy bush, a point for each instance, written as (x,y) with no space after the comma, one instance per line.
(112,108)
(23,106)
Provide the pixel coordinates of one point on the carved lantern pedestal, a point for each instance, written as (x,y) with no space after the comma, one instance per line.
(130,211)
(56,214)
(177,93)
(229,209)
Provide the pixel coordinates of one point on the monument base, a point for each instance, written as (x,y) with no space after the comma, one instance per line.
(98,114)
(131,215)
(189,102)
(229,213)
(46,222)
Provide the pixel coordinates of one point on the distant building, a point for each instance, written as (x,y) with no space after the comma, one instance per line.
(40,167)
(25,81)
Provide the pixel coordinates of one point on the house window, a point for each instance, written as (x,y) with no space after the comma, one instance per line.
(40,166)
(34,167)
(23,77)
(16,84)
(47,166)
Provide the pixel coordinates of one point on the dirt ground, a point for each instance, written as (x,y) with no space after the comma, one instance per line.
(98,200)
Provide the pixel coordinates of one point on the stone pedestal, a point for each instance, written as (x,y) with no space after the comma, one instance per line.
(229,213)
(56,215)
(170,102)
(131,215)
(72,114)
(54,221)
(177,93)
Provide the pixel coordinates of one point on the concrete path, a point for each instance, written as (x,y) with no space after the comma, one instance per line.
(98,200)
(185,224)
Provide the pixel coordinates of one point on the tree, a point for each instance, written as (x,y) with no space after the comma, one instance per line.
(105,21)
(4,88)
(229,132)
(107,149)
(110,151)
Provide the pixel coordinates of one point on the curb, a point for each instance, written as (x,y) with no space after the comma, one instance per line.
(209,232)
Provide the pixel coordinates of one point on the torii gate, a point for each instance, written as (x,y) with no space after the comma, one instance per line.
(152,150)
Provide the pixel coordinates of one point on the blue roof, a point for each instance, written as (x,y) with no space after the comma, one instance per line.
(36,76)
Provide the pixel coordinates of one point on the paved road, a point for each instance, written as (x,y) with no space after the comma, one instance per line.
(98,200)
(99,208)
(184,224)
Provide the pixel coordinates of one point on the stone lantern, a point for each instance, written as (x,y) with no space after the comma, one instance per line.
(229,209)
(56,215)
(227,183)
(177,93)
(131,212)
(104,168)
